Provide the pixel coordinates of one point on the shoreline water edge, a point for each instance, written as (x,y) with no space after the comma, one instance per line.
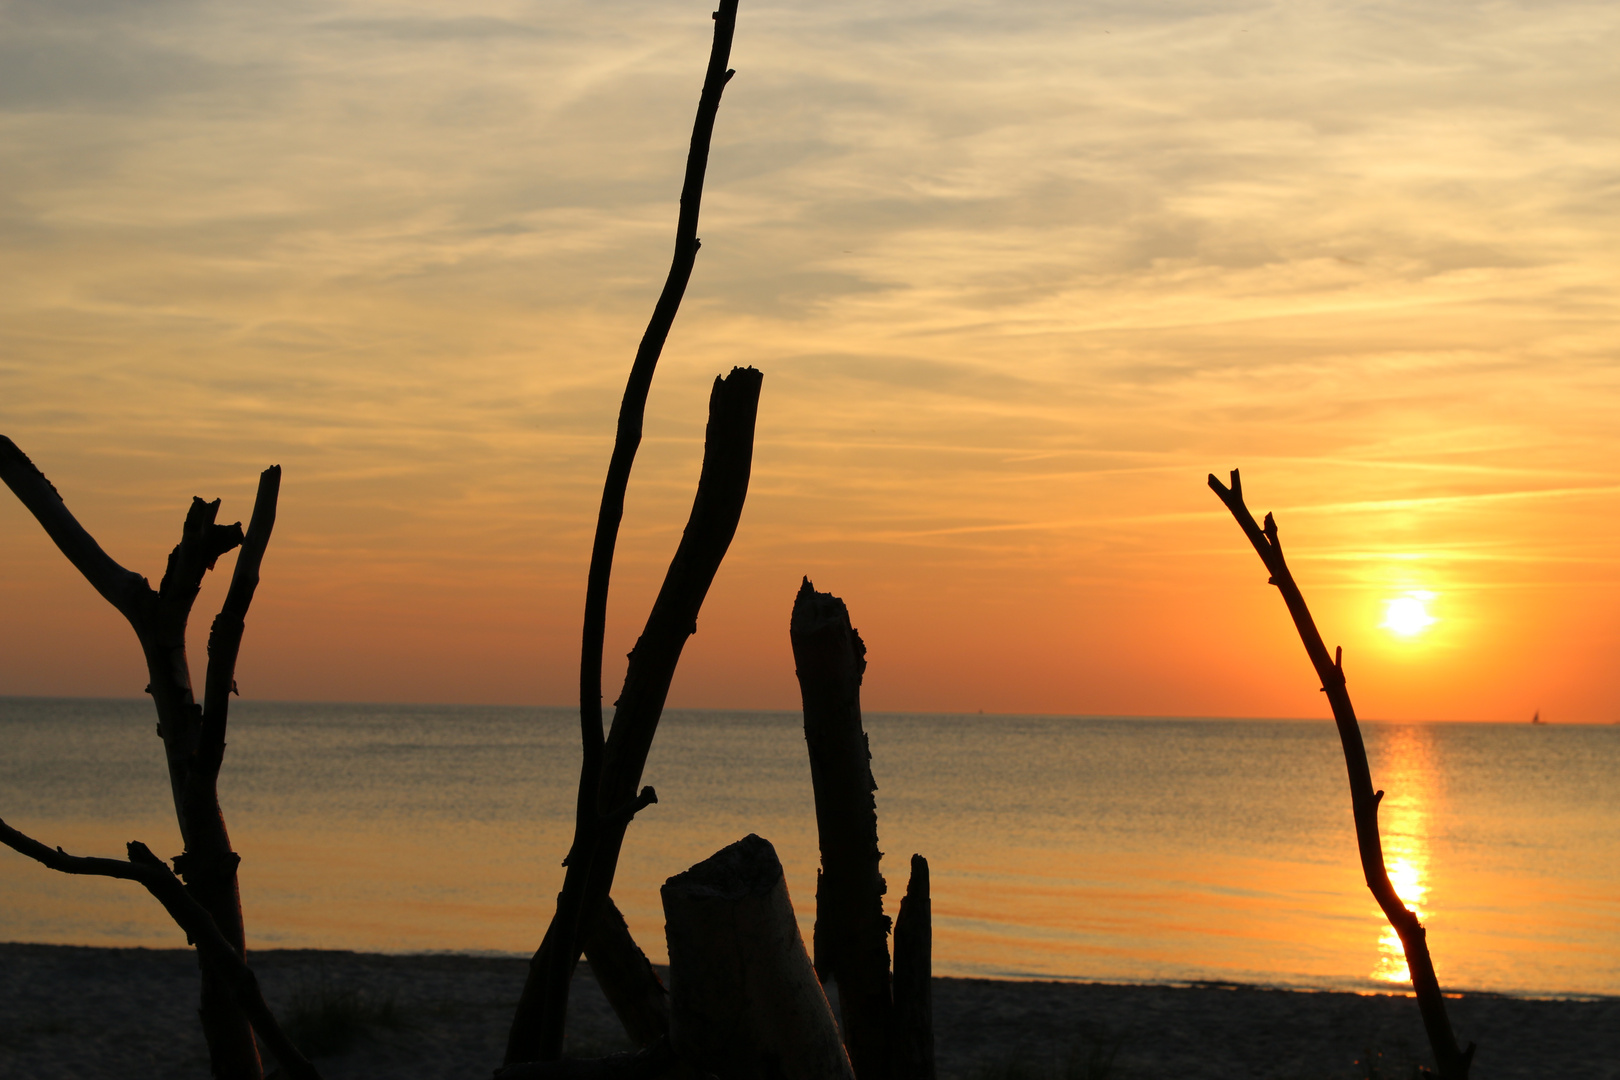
(89,1012)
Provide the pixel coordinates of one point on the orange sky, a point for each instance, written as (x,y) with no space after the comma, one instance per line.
(1018,276)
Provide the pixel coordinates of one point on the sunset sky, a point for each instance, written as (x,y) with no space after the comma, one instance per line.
(1018,275)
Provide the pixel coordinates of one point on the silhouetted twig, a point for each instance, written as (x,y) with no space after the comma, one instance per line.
(1453,1063)
(216,953)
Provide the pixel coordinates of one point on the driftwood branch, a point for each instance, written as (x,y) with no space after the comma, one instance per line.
(215,951)
(633,407)
(852,933)
(123,589)
(745,1002)
(1452,1061)
(225,636)
(193,735)
(537,1027)
(912,1048)
(626,977)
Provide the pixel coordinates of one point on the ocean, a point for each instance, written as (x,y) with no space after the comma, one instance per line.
(1114,849)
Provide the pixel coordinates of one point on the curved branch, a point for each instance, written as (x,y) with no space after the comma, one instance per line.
(149,871)
(123,589)
(1364,800)
(536,1028)
(634,405)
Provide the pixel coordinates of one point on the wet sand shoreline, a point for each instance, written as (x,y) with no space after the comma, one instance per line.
(87,1013)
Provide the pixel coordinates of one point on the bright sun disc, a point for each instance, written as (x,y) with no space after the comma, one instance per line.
(1409,614)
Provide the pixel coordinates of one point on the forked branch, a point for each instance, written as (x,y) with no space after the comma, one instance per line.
(633,407)
(1453,1062)
(218,954)
(193,736)
(537,1026)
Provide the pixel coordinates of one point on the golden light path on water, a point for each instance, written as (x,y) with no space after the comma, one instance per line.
(1409,787)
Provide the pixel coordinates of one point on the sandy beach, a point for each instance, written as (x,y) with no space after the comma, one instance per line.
(88,1013)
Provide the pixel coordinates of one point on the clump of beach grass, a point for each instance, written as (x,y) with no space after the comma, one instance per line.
(324,1019)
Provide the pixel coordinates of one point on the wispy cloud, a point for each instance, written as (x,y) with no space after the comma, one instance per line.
(1019,275)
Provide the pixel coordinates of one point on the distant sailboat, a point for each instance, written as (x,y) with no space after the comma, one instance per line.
(1536,719)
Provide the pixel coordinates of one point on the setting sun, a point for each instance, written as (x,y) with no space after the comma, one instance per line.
(1409,614)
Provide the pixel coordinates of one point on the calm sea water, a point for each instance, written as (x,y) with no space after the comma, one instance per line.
(1099,848)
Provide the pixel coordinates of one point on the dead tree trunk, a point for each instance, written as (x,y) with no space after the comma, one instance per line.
(193,735)
(610,768)
(1453,1062)
(852,933)
(627,978)
(912,1050)
(744,1000)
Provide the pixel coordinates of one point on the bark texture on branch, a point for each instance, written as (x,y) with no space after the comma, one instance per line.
(193,734)
(1453,1062)
(852,934)
(912,1052)
(216,953)
(745,1002)
(627,977)
(537,1027)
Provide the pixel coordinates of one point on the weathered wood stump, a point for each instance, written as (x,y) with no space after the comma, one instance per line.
(745,1003)
(852,934)
(912,1048)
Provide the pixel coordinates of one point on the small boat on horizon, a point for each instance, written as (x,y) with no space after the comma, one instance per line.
(1536,719)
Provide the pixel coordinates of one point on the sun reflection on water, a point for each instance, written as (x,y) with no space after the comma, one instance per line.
(1408,780)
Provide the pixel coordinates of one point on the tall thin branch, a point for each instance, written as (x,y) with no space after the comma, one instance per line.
(1452,1061)
(537,1025)
(220,955)
(633,407)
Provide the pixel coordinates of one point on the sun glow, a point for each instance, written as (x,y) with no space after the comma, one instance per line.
(1408,614)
